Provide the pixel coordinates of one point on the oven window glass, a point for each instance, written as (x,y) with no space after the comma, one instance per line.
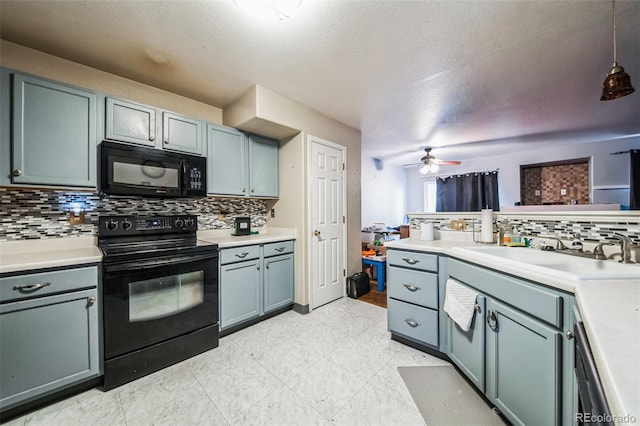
(148,173)
(165,296)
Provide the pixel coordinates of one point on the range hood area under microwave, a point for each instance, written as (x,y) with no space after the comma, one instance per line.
(132,170)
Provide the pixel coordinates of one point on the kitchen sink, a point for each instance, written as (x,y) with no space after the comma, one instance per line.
(579,268)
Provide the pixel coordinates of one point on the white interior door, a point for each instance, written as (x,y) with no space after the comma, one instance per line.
(327,222)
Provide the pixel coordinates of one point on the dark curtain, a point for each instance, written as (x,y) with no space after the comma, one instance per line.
(634,192)
(467,193)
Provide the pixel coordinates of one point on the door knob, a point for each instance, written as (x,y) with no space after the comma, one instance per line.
(316,233)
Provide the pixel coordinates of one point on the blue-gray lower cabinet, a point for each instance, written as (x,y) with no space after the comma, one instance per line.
(255,280)
(523,366)
(50,341)
(412,296)
(515,352)
(467,348)
(240,292)
(54,134)
(278,282)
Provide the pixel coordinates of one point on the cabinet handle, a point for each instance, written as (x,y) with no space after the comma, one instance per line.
(410,261)
(411,287)
(244,190)
(492,320)
(570,335)
(279,249)
(258,267)
(412,323)
(17,172)
(477,308)
(166,142)
(253,190)
(152,138)
(267,266)
(91,300)
(30,288)
(242,255)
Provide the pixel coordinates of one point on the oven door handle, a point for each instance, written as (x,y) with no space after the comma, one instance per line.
(138,265)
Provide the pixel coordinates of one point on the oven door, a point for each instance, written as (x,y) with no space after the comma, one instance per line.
(152,300)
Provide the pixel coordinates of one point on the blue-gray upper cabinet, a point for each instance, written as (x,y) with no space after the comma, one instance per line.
(54,134)
(130,122)
(180,133)
(241,165)
(226,161)
(263,167)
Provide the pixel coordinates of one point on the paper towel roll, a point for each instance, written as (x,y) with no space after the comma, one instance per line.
(487,226)
(426,231)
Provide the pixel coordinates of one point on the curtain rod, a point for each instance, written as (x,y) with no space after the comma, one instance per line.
(462,173)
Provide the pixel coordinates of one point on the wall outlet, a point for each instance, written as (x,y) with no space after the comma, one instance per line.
(273,212)
(563,191)
(537,193)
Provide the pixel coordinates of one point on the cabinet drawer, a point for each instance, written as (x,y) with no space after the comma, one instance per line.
(282,247)
(412,321)
(412,286)
(413,259)
(41,284)
(239,254)
(528,297)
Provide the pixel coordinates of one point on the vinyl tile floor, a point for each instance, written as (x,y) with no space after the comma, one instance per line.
(334,366)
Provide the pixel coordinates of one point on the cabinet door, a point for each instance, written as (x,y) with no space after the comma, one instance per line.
(130,122)
(240,292)
(263,167)
(467,349)
(523,366)
(181,133)
(278,282)
(54,134)
(226,161)
(48,344)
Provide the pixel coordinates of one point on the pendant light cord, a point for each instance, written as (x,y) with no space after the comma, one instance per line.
(614,31)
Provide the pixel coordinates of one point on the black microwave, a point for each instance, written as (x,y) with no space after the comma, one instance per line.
(133,170)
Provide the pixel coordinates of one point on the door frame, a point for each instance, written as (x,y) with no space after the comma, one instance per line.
(310,259)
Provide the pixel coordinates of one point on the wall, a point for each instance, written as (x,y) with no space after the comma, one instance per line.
(44,65)
(271,114)
(383,195)
(606,169)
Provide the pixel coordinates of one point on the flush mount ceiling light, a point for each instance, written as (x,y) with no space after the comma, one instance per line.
(618,83)
(283,9)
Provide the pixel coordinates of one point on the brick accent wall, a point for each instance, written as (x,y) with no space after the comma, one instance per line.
(551,180)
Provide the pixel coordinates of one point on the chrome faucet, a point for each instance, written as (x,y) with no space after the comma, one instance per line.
(598,252)
(559,244)
(625,247)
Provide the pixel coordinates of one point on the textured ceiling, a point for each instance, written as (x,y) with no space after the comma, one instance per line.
(469,77)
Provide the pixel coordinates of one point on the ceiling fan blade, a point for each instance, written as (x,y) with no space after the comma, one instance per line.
(449,163)
(412,165)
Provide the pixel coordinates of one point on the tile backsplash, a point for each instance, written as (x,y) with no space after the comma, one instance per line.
(594,229)
(33,214)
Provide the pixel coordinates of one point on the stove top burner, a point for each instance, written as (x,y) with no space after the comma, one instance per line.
(133,237)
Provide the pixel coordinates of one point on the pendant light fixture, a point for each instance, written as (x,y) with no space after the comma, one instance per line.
(618,83)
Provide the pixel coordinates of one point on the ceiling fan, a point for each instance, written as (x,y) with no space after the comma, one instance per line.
(430,163)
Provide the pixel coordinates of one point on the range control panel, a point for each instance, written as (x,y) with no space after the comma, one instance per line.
(141,225)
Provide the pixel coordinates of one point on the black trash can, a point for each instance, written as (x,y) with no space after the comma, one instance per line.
(357,285)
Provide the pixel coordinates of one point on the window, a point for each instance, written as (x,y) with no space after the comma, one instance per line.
(430,196)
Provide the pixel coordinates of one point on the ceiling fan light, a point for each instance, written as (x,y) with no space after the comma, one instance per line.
(424,169)
(434,168)
(617,84)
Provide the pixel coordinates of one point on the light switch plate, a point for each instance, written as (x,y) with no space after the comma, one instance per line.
(563,191)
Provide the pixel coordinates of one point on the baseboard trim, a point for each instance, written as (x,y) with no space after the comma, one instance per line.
(301,309)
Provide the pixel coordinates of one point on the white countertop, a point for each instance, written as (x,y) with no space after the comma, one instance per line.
(610,311)
(26,255)
(224,239)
